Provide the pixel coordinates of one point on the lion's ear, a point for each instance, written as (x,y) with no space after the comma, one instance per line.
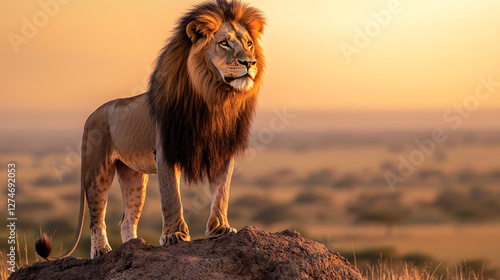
(254,21)
(257,28)
(204,26)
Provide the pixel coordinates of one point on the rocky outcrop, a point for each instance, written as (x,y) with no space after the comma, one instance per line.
(249,254)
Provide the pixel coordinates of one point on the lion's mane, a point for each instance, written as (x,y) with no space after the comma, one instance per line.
(201,131)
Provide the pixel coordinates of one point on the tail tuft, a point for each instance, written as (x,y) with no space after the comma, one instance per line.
(43,246)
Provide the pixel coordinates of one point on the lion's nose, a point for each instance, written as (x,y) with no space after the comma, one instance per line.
(247,63)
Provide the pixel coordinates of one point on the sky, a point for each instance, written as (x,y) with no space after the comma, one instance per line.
(322,55)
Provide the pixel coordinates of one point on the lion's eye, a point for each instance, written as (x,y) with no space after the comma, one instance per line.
(249,43)
(224,43)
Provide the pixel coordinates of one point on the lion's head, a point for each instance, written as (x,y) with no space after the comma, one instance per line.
(204,87)
(230,52)
(215,52)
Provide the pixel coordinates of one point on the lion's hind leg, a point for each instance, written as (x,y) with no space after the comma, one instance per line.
(98,186)
(98,171)
(218,224)
(133,186)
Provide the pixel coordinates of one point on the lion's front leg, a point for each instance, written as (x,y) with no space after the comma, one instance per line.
(219,193)
(175,229)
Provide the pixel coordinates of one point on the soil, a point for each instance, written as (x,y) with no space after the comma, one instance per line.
(249,254)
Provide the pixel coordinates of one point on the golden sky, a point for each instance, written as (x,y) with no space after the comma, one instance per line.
(405,55)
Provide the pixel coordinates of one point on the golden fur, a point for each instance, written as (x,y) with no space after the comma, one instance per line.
(194,104)
(194,119)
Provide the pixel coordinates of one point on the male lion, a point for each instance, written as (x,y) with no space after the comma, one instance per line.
(194,118)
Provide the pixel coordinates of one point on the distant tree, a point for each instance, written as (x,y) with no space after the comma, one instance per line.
(388,166)
(310,197)
(276,177)
(52,181)
(371,256)
(46,181)
(251,202)
(494,175)
(418,259)
(429,174)
(477,205)
(347,181)
(466,176)
(318,177)
(64,225)
(380,208)
(274,214)
(449,201)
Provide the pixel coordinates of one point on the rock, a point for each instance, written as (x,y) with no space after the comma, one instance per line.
(249,254)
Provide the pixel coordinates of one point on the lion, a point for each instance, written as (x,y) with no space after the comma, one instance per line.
(194,119)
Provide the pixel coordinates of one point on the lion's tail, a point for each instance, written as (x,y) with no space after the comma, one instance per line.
(43,244)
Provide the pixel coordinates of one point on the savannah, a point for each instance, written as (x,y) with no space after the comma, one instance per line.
(376,131)
(329,185)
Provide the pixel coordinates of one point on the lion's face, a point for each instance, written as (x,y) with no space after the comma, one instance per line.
(225,53)
(232,54)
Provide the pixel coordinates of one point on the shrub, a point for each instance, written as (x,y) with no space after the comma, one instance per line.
(310,197)
(318,178)
(274,213)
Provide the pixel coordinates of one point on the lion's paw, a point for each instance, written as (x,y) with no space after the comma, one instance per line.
(216,229)
(100,252)
(176,237)
(222,230)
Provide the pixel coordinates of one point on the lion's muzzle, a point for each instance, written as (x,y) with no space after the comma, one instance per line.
(236,70)
(240,69)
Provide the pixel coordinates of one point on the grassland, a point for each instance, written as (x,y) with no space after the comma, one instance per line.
(445,214)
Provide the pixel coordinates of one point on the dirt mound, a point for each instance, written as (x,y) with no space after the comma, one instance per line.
(249,254)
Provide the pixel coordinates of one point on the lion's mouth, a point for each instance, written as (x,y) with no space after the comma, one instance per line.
(230,79)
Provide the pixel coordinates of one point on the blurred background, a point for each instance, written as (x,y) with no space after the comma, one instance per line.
(377,131)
